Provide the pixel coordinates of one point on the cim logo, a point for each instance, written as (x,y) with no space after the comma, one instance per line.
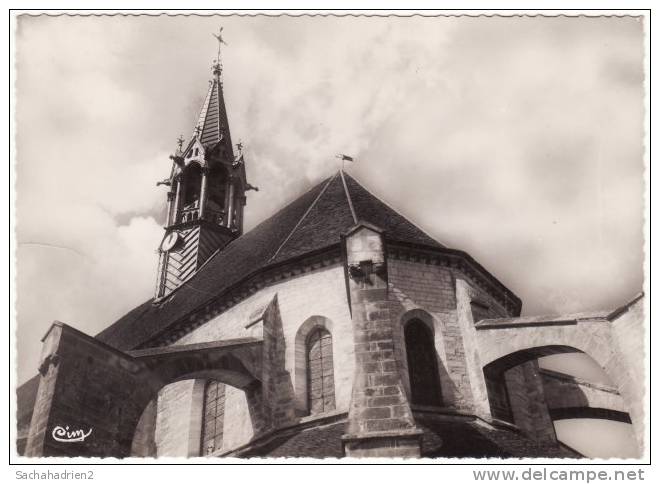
(63,434)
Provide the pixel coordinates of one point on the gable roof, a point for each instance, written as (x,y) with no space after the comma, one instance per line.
(313,222)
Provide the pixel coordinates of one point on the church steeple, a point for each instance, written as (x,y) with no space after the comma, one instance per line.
(212,124)
(207,192)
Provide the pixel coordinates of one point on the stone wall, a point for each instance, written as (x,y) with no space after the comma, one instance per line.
(321,292)
(380,422)
(528,403)
(565,391)
(415,286)
(144,439)
(449,298)
(614,342)
(630,336)
(416,289)
(175,418)
(237,412)
(74,398)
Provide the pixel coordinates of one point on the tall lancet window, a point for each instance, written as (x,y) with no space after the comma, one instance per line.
(214,417)
(320,372)
(422,364)
(193,185)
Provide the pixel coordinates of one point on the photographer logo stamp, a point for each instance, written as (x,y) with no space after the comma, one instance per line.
(63,434)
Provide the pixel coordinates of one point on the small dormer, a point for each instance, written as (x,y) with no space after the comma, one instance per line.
(195,153)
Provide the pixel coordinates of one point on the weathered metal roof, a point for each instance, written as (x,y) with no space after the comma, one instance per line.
(212,123)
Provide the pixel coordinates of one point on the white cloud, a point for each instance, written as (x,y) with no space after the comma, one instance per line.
(517,140)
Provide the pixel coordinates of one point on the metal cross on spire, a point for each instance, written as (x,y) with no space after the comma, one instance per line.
(220,42)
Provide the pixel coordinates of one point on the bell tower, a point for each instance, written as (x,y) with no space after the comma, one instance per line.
(206,198)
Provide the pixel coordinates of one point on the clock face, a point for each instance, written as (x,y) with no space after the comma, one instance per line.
(170,241)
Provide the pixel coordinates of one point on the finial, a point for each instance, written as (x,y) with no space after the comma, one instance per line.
(179,141)
(198,129)
(217,64)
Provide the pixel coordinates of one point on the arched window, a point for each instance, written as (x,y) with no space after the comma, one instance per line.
(213,417)
(320,377)
(422,365)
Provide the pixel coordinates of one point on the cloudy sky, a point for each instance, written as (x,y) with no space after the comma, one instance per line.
(518,140)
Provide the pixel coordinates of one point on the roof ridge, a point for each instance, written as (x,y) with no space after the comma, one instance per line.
(309,209)
(219,128)
(348,196)
(203,112)
(405,216)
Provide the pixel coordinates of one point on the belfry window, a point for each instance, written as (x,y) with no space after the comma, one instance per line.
(320,377)
(193,184)
(422,365)
(213,417)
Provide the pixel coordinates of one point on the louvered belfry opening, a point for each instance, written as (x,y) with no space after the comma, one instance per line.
(213,417)
(422,365)
(320,377)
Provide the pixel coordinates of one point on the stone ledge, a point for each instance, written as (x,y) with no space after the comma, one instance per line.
(448,414)
(382,434)
(166,350)
(322,416)
(405,443)
(578,381)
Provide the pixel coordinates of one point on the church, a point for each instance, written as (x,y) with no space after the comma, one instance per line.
(335,328)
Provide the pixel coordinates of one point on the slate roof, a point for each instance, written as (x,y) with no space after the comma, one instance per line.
(312,222)
(448,438)
(212,121)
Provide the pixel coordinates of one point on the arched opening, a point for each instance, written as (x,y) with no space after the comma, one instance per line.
(199,402)
(197,417)
(192,185)
(423,372)
(558,392)
(217,192)
(320,372)
(508,367)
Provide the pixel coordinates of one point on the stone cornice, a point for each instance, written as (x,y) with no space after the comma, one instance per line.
(250,285)
(326,257)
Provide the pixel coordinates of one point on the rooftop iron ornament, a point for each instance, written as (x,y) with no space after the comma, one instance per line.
(343,159)
(220,42)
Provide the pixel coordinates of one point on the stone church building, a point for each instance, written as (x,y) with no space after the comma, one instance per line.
(334,328)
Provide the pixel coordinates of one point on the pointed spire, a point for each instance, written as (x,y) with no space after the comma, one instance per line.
(212,125)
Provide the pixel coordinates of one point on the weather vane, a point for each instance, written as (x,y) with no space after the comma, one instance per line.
(343,159)
(220,42)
